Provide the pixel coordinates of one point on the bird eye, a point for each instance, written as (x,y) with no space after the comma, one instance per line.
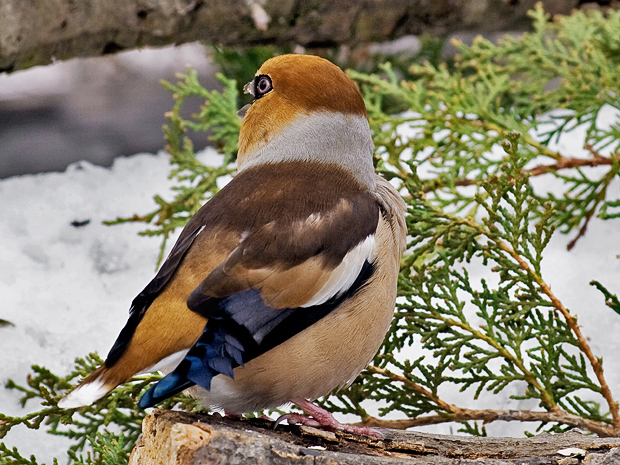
(262,85)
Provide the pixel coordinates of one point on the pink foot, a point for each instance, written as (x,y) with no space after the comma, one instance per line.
(323,419)
(297,419)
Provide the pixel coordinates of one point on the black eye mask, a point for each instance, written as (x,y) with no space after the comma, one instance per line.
(258,87)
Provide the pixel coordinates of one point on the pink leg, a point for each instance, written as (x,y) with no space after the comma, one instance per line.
(322,418)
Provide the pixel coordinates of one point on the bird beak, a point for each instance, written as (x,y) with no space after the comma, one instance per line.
(249,88)
(241,113)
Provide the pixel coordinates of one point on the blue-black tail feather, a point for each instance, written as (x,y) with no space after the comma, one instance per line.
(216,352)
(168,386)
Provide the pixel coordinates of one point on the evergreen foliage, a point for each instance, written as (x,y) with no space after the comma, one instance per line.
(465,153)
(107,431)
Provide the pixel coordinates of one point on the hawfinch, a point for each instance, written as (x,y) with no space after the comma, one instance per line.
(282,287)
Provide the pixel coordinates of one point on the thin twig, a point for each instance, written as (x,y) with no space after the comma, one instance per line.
(456,414)
(570,162)
(561,164)
(488,416)
(599,197)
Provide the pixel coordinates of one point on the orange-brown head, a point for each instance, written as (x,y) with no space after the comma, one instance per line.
(305,108)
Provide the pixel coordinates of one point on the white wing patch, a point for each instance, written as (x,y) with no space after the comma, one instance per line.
(166,364)
(345,274)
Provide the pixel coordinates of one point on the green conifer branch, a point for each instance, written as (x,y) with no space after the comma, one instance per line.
(595,362)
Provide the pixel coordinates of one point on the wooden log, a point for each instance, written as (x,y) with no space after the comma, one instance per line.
(178,438)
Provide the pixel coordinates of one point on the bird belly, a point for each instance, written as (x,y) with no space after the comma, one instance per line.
(323,357)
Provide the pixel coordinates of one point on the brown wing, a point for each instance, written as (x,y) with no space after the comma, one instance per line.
(308,240)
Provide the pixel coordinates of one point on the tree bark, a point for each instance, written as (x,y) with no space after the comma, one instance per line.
(36,32)
(185,439)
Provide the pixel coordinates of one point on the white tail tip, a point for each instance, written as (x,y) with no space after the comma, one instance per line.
(84,395)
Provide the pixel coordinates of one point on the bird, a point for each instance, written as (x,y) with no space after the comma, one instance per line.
(282,287)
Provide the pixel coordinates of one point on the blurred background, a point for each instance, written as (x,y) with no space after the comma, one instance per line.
(93,109)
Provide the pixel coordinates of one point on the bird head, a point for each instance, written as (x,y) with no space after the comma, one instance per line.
(305,108)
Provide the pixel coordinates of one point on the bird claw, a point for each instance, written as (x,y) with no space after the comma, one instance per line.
(321,418)
(297,419)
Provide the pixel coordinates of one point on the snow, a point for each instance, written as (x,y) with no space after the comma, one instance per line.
(67,289)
